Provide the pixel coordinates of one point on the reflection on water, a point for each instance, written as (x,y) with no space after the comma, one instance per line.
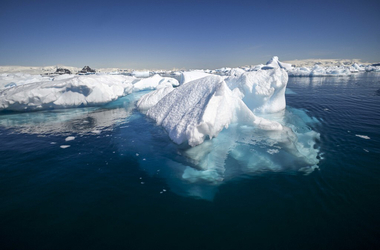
(68,121)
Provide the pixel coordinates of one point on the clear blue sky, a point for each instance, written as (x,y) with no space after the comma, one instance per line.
(185,34)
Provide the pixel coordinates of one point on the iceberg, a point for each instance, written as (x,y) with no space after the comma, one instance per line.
(239,118)
(204,107)
(66,92)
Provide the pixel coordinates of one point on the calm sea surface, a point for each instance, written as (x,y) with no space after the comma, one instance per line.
(108,178)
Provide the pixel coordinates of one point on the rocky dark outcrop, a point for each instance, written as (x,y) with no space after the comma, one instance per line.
(87,69)
(62,71)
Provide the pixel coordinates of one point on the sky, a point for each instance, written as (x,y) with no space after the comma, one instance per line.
(167,34)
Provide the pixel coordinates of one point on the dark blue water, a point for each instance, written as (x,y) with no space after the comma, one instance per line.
(119,183)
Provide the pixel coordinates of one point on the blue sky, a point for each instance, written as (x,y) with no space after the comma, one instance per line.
(185,34)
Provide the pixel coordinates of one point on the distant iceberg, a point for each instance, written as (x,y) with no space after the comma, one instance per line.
(154,82)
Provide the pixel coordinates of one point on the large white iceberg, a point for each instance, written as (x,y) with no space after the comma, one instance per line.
(204,107)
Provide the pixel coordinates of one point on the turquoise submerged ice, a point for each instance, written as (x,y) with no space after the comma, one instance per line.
(234,125)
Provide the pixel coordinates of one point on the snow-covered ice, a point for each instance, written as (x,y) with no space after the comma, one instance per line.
(152,98)
(64,93)
(154,82)
(263,90)
(202,108)
(189,76)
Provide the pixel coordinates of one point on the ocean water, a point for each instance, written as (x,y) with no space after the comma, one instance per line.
(108,178)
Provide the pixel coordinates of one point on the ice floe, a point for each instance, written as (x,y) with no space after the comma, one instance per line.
(64,93)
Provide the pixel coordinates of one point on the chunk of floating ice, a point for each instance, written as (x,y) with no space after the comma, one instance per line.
(203,107)
(65,146)
(96,131)
(76,91)
(363,136)
(244,116)
(70,138)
